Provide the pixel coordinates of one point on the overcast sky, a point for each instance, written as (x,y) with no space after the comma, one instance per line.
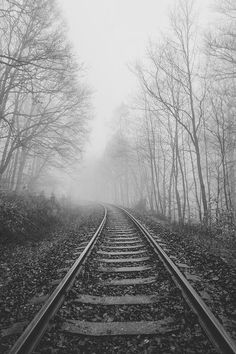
(107,36)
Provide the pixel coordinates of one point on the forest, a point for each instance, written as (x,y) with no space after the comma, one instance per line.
(173,145)
(173,150)
(45,103)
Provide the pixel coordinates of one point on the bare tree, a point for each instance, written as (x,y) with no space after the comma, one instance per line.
(43,106)
(221,44)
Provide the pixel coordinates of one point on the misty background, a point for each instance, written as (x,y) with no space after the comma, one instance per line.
(129,102)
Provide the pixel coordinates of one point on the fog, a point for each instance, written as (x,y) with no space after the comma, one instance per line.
(129,102)
(109,37)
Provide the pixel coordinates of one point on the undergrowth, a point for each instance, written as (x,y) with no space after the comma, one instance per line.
(28,217)
(219,238)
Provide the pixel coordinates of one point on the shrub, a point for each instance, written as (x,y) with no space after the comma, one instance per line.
(26,215)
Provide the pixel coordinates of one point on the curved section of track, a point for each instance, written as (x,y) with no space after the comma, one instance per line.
(125,295)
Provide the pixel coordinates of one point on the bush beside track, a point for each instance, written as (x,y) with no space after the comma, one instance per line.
(28,217)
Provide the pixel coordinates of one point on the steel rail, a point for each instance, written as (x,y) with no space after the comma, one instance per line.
(212,327)
(29,339)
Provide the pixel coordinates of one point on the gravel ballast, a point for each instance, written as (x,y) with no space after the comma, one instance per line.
(183,333)
(27,271)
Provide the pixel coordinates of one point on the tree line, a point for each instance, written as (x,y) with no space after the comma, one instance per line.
(44,103)
(174,146)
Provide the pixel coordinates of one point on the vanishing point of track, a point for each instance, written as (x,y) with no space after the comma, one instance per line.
(120,251)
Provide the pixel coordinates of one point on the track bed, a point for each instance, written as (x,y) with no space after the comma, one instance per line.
(122,300)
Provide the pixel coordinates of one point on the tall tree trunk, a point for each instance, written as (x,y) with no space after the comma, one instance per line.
(195,185)
(22,162)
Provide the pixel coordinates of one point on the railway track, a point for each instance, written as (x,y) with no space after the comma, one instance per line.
(124,294)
